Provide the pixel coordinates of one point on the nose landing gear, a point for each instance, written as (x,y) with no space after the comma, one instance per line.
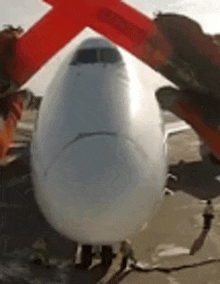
(87,255)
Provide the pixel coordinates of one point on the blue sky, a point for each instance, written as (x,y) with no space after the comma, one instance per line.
(26,12)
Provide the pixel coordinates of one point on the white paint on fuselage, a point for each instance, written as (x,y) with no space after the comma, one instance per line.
(100,187)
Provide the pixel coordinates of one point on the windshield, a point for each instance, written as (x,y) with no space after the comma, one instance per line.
(85,56)
(107,55)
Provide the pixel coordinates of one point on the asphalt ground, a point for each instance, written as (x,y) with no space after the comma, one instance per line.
(162,247)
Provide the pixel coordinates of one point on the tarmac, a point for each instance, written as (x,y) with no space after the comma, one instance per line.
(162,247)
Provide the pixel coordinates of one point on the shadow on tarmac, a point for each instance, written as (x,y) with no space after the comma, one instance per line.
(92,276)
(198,243)
(118,277)
(198,179)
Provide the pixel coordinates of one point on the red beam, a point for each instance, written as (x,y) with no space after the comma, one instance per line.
(133,31)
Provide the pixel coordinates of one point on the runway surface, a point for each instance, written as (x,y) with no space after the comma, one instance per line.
(162,246)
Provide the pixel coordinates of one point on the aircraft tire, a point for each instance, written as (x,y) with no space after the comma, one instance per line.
(86,256)
(107,255)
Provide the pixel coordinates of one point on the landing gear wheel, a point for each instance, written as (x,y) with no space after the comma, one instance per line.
(107,255)
(86,256)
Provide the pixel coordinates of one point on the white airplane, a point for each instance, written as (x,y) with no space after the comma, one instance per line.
(99,150)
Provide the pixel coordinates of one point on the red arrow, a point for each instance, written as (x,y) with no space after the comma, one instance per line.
(116,20)
(119,22)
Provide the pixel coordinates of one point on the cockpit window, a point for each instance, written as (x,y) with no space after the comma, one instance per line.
(109,55)
(104,55)
(85,56)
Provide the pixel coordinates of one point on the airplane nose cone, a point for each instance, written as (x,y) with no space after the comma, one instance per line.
(99,189)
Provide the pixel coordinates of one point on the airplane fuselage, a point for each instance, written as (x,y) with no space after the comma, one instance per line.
(99,152)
